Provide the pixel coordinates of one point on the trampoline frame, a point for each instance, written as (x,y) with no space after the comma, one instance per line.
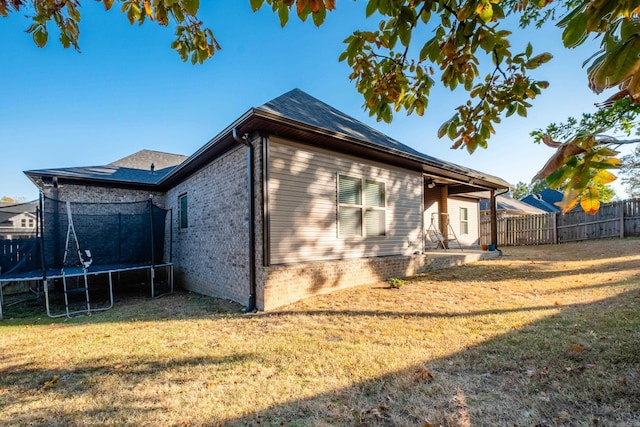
(79,272)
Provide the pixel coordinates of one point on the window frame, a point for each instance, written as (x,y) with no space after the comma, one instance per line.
(183,211)
(363,207)
(464,221)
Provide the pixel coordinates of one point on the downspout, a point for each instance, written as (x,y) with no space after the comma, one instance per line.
(251,305)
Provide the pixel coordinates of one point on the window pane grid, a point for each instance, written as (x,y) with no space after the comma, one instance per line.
(358,217)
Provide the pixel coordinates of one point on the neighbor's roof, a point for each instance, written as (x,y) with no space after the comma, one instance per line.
(18,208)
(135,168)
(545,200)
(511,205)
(11,210)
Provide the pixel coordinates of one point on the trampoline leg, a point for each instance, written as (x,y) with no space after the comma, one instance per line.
(46,297)
(152,275)
(86,290)
(171,277)
(110,292)
(1,301)
(66,297)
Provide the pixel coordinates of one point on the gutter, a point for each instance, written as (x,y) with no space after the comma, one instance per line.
(251,305)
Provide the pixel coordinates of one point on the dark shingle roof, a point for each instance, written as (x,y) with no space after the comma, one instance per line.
(144,158)
(300,106)
(135,168)
(18,208)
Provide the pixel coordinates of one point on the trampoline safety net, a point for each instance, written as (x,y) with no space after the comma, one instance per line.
(118,234)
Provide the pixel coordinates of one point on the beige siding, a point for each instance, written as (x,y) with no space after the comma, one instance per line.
(455,203)
(302,183)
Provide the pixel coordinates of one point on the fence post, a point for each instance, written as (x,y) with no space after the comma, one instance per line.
(554,228)
(621,207)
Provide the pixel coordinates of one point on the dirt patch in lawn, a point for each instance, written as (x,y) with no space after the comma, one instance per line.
(545,335)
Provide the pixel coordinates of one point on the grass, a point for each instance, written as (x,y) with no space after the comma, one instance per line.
(543,336)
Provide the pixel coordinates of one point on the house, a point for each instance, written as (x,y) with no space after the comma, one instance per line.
(545,200)
(18,220)
(507,207)
(292,199)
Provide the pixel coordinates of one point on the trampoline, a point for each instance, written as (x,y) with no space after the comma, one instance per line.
(78,241)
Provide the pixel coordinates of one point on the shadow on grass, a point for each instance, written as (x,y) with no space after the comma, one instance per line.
(580,366)
(82,380)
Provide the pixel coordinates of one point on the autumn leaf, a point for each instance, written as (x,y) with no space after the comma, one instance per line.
(603,177)
(50,383)
(590,201)
(423,374)
(560,157)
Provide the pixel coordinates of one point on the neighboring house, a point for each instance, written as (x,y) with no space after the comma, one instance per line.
(546,200)
(294,198)
(18,220)
(507,207)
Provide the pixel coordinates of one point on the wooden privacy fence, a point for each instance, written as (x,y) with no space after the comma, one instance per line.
(22,253)
(617,219)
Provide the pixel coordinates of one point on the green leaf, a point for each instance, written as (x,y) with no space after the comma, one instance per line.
(404,32)
(538,60)
(191,6)
(615,66)
(256,4)
(575,33)
(372,6)
(319,17)
(283,14)
(40,36)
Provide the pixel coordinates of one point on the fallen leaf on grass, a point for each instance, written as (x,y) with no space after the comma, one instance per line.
(423,374)
(578,347)
(50,383)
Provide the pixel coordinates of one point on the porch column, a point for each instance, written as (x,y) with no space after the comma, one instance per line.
(443,208)
(494,219)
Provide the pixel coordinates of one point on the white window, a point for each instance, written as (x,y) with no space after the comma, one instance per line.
(464,221)
(183,210)
(23,222)
(358,215)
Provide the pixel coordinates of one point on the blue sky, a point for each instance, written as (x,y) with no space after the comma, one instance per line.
(127,90)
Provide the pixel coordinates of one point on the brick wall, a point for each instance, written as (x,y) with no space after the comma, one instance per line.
(285,284)
(211,255)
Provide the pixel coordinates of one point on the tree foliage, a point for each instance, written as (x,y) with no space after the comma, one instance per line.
(522,189)
(193,40)
(421,43)
(630,172)
(585,158)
